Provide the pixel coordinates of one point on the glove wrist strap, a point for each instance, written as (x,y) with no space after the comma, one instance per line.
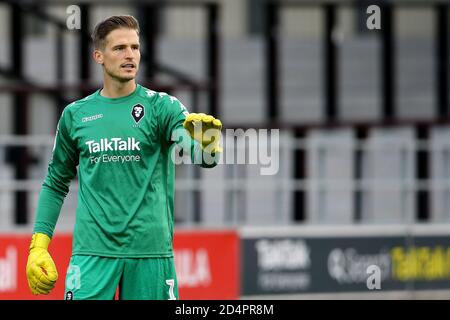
(40,240)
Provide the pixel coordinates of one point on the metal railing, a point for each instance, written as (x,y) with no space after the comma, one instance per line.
(378,182)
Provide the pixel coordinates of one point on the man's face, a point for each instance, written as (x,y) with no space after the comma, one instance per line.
(121,56)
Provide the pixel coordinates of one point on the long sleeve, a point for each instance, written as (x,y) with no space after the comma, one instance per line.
(62,169)
(172,115)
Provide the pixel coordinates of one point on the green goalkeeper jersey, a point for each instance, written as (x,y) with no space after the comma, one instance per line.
(123,150)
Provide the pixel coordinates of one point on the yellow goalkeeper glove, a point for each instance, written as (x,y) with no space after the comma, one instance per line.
(41,270)
(205,129)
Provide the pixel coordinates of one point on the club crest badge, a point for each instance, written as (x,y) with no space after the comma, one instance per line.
(137,112)
(69,295)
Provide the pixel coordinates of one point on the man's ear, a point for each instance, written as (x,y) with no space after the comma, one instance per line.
(98,56)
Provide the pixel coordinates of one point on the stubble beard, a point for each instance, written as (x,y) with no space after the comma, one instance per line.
(117,76)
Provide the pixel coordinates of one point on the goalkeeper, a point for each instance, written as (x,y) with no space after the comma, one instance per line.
(121,138)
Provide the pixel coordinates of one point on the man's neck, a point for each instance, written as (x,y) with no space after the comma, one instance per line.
(115,89)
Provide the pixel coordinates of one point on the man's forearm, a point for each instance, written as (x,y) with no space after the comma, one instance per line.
(48,210)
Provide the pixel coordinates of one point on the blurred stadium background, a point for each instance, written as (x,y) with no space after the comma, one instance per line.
(364,140)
